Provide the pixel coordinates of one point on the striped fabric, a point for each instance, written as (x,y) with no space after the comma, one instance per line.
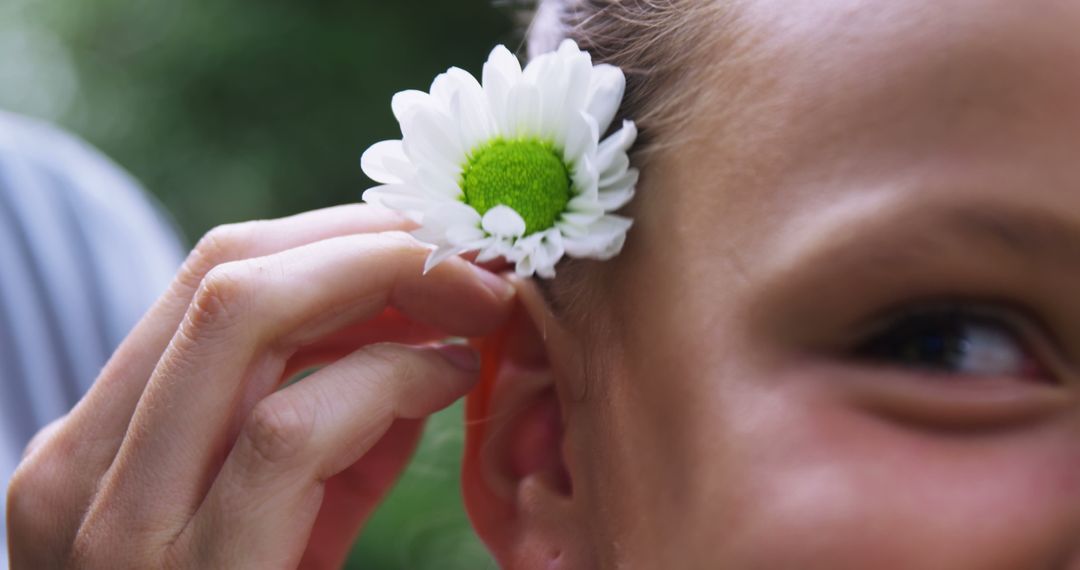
(83,253)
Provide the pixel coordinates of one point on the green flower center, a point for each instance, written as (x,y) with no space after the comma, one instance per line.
(527,175)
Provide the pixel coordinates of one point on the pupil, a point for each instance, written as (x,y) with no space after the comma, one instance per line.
(935,343)
(526,175)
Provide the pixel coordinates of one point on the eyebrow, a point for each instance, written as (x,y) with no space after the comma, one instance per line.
(880,240)
(1046,237)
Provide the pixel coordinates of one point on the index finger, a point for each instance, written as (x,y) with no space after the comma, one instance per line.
(104,412)
(246,320)
(91,434)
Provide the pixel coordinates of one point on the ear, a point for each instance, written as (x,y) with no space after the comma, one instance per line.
(517,488)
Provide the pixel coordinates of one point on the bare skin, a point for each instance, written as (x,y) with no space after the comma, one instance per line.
(885,156)
(183,455)
(717,408)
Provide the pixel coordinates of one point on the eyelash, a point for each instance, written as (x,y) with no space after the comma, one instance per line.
(955,335)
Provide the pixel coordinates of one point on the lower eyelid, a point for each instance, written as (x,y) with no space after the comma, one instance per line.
(954,402)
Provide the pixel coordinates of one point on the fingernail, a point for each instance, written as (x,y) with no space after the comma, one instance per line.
(461,356)
(502,289)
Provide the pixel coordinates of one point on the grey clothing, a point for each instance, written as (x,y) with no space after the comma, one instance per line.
(83,253)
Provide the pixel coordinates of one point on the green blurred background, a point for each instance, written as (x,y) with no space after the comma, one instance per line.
(229,110)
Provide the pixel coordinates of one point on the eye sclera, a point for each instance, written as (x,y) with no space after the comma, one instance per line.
(1042,353)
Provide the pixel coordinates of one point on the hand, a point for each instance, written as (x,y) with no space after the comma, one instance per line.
(188,453)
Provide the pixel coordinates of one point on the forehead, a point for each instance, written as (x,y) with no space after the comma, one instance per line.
(844,119)
(945,62)
(835,98)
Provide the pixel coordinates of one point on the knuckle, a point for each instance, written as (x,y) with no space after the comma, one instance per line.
(33,492)
(222,295)
(44,436)
(84,550)
(95,547)
(398,241)
(278,429)
(106,522)
(23,496)
(389,361)
(388,368)
(220,245)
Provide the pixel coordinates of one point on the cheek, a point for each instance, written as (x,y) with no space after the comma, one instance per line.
(816,481)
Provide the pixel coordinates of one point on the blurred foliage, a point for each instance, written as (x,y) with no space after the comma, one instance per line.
(229,110)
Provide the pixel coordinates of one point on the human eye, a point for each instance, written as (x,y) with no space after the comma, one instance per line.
(960,340)
(956,365)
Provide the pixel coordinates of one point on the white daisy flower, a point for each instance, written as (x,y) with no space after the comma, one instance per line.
(514,167)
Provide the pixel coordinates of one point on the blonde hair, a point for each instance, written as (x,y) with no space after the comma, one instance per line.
(665,48)
(661,46)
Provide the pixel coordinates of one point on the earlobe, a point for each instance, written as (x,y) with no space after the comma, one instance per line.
(517,489)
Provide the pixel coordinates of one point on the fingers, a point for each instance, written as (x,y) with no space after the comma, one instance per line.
(272,483)
(389,326)
(354,494)
(104,412)
(87,441)
(244,323)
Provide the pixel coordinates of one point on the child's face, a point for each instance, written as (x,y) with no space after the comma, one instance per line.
(850,331)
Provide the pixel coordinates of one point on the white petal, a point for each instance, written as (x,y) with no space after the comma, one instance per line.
(578,70)
(562,79)
(463,235)
(548,253)
(545,74)
(430,234)
(446,84)
(525,245)
(570,47)
(465,80)
(449,213)
(522,113)
(492,252)
(546,271)
(541,70)
(399,197)
(583,206)
(440,217)
(440,255)
(619,192)
(385,162)
(466,104)
(581,219)
(501,61)
(439,181)
(406,102)
(585,178)
(604,239)
(605,93)
(524,267)
(538,253)
(503,221)
(431,141)
(618,143)
(470,107)
(522,254)
(613,247)
(496,248)
(616,169)
(569,228)
(501,72)
(580,139)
